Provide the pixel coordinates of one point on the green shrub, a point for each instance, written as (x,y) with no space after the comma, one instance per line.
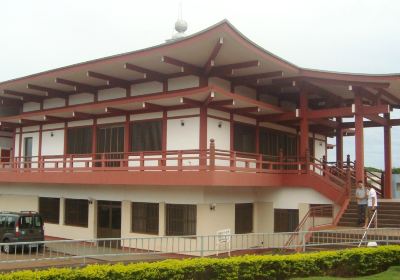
(350,262)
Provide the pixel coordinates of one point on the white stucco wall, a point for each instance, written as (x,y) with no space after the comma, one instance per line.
(221,134)
(53,142)
(191,131)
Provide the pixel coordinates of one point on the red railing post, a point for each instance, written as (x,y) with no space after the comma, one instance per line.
(141,161)
(323,164)
(212,155)
(280,159)
(233,160)
(260,162)
(180,160)
(307,161)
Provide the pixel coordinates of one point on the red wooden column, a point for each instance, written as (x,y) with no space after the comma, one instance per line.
(339,144)
(304,130)
(387,136)
(359,135)
(203,135)
(126,140)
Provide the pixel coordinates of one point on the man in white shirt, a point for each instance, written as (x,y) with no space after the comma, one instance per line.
(362,198)
(372,205)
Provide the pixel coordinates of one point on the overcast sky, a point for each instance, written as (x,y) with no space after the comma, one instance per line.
(350,35)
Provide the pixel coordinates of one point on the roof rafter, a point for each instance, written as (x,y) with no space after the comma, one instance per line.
(54,118)
(25,97)
(113,110)
(152,106)
(147,73)
(51,93)
(10,101)
(211,59)
(109,79)
(184,67)
(229,69)
(255,77)
(78,87)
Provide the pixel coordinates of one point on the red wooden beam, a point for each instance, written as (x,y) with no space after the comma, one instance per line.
(78,87)
(49,92)
(54,119)
(388,95)
(245,110)
(10,101)
(330,113)
(229,69)
(211,59)
(377,119)
(147,73)
(191,102)
(109,79)
(152,106)
(26,97)
(209,99)
(185,67)
(222,103)
(375,110)
(288,116)
(29,122)
(9,125)
(112,110)
(326,122)
(82,115)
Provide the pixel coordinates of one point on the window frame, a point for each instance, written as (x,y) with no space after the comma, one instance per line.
(187,220)
(44,212)
(132,133)
(89,142)
(243,217)
(145,218)
(72,219)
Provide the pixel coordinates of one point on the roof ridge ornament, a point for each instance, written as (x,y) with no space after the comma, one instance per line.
(180,26)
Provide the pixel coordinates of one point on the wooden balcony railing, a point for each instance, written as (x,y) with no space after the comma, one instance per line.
(180,160)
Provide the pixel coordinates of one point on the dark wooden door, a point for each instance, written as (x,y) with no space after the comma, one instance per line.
(27,152)
(108,219)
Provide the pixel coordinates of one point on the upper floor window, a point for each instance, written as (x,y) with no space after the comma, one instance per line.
(244,138)
(79,140)
(146,136)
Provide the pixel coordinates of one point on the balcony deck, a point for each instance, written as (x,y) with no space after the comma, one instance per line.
(211,167)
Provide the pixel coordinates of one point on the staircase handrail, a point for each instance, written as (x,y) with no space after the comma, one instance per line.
(374,217)
(310,214)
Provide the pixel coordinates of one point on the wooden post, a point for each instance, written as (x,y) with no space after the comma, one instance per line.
(280,159)
(348,161)
(212,155)
(339,144)
(359,135)
(387,135)
(307,161)
(304,129)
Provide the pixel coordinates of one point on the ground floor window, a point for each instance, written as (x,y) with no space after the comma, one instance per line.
(49,209)
(76,212)
(243,218)
(286,220)
(181,219)
(145,217)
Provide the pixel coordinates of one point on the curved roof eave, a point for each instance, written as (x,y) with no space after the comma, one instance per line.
(301,71)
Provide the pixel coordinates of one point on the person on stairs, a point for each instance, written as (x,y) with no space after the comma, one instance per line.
(361,197)
(372,205)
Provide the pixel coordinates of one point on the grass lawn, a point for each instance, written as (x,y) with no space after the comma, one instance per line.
(391,273)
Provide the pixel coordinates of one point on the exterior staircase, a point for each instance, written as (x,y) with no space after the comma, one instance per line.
(388,215)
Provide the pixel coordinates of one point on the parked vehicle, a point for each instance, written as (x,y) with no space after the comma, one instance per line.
(22,226)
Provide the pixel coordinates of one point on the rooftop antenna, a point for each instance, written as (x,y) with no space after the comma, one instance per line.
(180,26)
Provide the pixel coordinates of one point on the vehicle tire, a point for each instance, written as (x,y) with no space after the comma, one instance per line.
(7,248)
